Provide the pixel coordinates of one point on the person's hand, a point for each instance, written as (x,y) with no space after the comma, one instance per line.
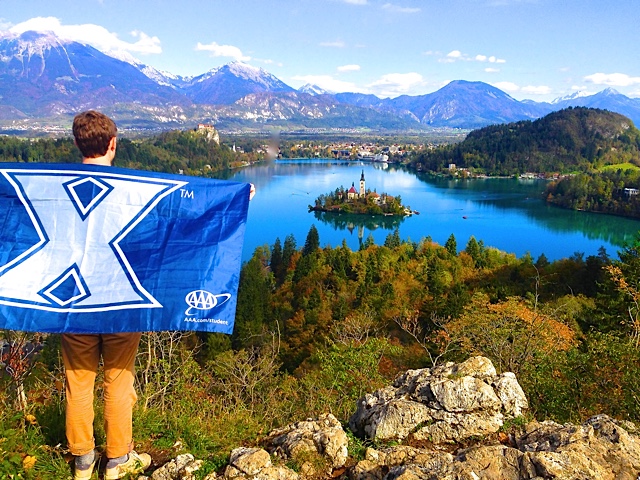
(252,192)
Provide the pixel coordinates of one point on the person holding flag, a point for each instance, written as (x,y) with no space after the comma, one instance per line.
(95,136)
(101,254)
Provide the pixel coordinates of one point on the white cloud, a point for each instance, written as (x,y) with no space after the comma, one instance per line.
(613,79)
(506,86)
(394,84)
(398,9)
(223,51)
(456,55)
(490,59)
(336,44)
(90,34)
(268,61)
(536,90)
(327,82)
(491,70)
(451,57)
(528,90)
(349,68)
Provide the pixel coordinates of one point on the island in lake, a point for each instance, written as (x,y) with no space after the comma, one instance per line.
(360,202)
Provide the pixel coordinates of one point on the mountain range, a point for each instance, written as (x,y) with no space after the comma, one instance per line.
(44,78)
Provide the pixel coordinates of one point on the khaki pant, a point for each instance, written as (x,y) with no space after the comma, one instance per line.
(81,355)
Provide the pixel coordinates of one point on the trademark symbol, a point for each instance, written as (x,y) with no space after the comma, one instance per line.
(186,193)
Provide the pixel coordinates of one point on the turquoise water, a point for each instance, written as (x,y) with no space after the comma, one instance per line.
(505,213)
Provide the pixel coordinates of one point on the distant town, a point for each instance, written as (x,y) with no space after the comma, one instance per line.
(348,150)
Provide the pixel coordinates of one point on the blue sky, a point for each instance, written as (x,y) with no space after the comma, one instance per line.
(536,49)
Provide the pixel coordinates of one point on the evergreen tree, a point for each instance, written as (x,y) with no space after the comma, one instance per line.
(288,251)
(276,259)
(473,249)
(369,242)
(393,239)
(312,243)
(542,261)
(452,245)
(254,294)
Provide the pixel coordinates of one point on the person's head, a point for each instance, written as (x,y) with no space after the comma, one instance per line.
(93,133)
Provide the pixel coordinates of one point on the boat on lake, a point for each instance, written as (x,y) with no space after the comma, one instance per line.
(378,157)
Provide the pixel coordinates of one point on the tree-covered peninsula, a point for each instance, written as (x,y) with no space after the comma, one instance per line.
(567,141)
(592,155)
(360,201)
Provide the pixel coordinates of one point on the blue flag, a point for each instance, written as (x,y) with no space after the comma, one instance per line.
(92,249)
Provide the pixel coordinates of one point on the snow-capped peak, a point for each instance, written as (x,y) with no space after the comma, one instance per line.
(572,96)
(123,56)
(249,72)
(158,76)
(312,89)
(126,57)
(32,42)
(610,91)
(244,71)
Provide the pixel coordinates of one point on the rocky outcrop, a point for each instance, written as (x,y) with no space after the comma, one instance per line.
(182,467)
(436,407)
(601,448)
(443,404)
(256,463)
(324,437)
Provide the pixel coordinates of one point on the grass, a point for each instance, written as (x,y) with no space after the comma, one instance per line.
(516,423)
(357,447)
(25,452)
(620,166)
(36,451)
(194,410)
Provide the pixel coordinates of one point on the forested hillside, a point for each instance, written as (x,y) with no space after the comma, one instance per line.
(192,152)
(317,328)
(570,140)
(611,191)
(309,294)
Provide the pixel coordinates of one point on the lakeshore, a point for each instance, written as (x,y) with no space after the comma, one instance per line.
(506,213)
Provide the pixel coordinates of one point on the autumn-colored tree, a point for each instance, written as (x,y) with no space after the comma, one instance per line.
(511,333)
(632,295)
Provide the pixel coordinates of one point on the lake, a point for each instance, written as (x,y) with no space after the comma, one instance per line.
(508,214)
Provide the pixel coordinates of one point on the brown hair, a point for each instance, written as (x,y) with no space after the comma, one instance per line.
(93,131)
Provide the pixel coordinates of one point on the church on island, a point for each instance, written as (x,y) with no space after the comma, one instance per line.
(359,201)
(352,193)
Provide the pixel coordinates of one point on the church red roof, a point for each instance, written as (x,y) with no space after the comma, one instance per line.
(352,190)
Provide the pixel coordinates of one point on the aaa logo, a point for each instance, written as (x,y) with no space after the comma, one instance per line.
(203,300)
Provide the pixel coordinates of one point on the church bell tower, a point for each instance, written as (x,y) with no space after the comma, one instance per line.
(362,184)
